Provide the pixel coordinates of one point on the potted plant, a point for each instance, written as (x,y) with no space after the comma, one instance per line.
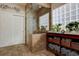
(56,28)
(73,26)
(43,28)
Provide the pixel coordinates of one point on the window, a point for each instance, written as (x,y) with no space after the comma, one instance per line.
(44,21)
(65,14)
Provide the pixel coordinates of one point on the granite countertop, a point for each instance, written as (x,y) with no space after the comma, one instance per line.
(64,33)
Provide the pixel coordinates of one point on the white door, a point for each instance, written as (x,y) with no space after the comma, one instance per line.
(12,28)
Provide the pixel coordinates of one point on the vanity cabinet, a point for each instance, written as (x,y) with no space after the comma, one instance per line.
(63,44)
(38,41)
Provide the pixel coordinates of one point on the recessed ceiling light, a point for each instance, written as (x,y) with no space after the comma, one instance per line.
(40,6)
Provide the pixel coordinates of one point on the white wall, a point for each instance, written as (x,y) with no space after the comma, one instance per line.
(12,28)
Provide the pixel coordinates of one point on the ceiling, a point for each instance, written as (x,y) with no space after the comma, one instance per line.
(32,4)
(40,8)
(56,5)
(37,6)
(47,5)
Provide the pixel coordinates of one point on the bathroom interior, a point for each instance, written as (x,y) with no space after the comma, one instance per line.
(43,29)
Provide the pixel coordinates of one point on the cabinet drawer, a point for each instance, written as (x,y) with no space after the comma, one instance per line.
(75,45)
(54,41)
(64,43)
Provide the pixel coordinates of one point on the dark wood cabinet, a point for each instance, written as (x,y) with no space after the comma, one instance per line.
(63,44)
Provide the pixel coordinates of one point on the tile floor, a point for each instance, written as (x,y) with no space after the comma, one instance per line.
(22,50)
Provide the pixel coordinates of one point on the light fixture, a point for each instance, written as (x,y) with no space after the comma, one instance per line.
(4,6)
